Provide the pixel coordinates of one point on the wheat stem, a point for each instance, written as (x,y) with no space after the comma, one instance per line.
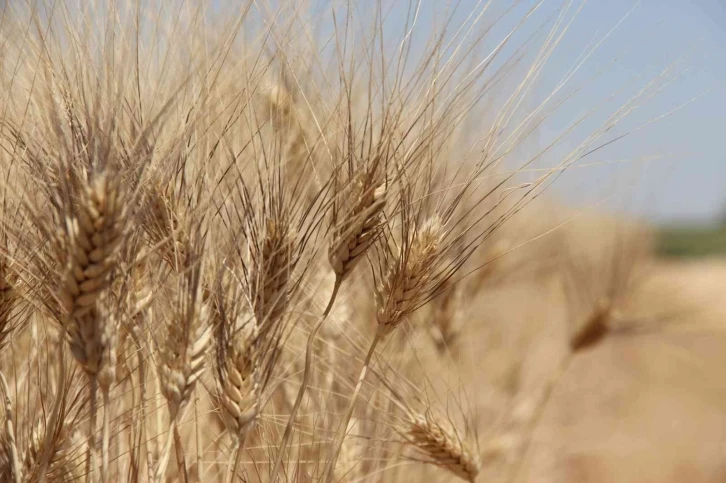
(52,420)
(106,434)
(180,460)
(165,453)
(141,369)
(198,438)
(518,471)
(92,457)
(10,432)
(235,456)
(340,436)
(309,356)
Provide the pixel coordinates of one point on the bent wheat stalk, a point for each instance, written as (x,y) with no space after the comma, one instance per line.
(400,293)
(360,227)
(182,354)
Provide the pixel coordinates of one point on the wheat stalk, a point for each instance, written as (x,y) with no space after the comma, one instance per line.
(404,288)
(238,367)
(183,351)
(354,231)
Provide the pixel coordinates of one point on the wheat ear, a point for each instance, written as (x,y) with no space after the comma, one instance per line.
(595,328)
(442,446)
(92,243)
(164,226)
(289,124)
(238,376)
(400,293)
(356,228)
(354,231)
(182,353)
(270,260)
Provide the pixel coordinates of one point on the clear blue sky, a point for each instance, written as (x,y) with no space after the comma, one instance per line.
(690,184)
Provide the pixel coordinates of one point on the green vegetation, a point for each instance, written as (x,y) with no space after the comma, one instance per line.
(692,241)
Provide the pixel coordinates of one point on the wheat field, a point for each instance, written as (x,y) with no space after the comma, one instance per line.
(312,241)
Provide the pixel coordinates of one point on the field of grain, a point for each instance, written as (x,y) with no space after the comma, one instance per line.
(291,241)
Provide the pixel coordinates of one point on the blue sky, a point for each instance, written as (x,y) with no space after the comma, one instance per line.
(689,184)
(672,170)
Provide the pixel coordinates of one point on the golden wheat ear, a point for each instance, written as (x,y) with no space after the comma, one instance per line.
(92,246)
(358,227)
(183,351)
(408,281)
(442,447)
(238,358)
(240,364)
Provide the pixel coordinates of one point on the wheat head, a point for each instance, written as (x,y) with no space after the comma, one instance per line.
(442,447)
(359,225)
(408,279)
(92,243)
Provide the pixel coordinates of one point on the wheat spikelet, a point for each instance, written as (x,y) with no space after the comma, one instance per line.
(358,226)
(408,279)
(442,447)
